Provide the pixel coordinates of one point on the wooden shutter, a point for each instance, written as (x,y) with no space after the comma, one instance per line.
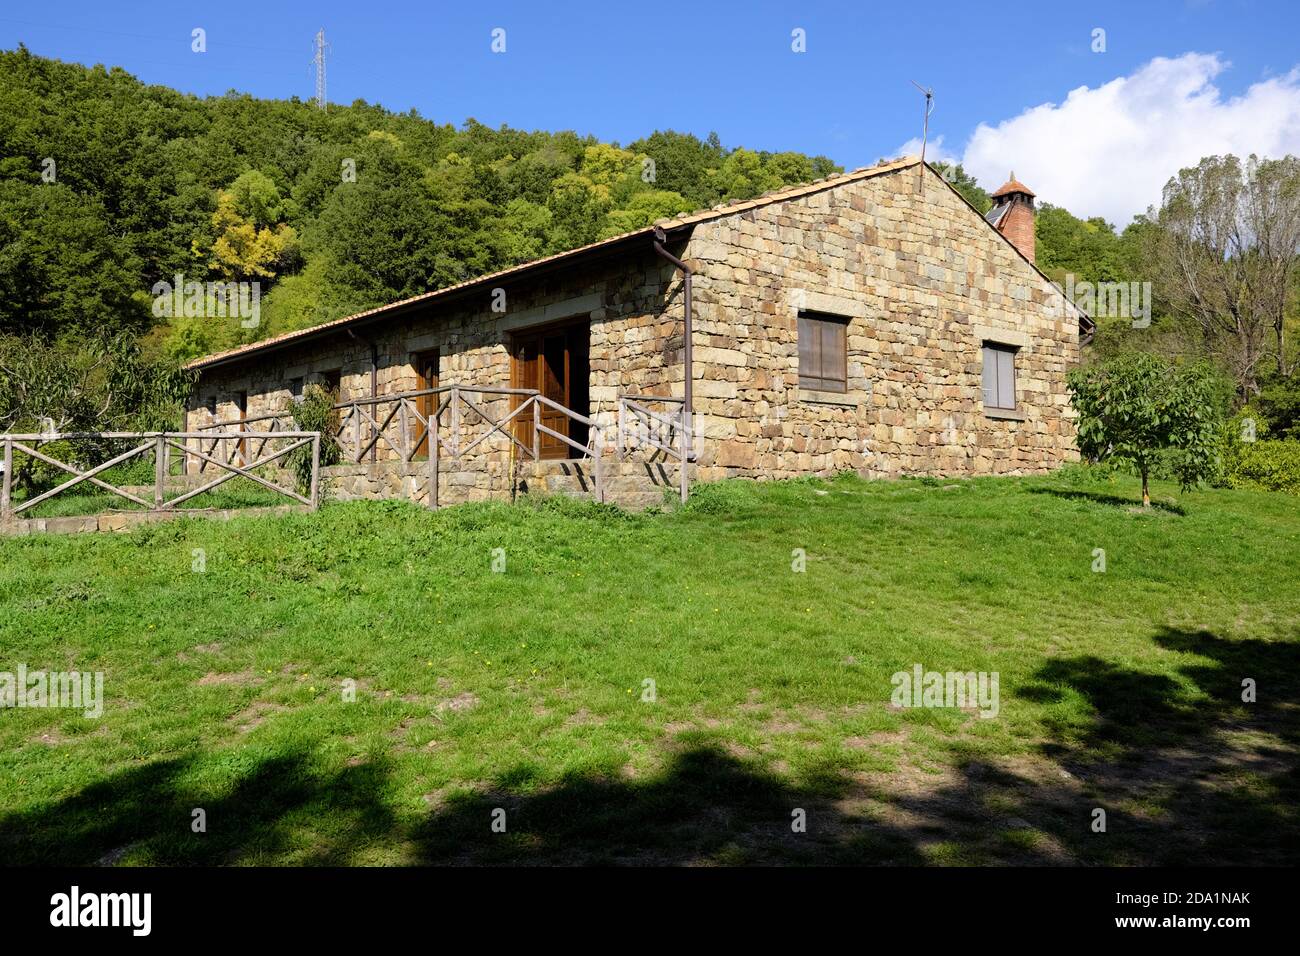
(990,377)
(1006,378)
(999,379)
(823,352)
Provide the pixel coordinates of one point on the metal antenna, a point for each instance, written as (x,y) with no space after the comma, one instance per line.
(319,61)
(925,132)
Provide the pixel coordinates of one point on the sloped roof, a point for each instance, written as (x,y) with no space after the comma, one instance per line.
(612,245)
(675,224)
(1012,185)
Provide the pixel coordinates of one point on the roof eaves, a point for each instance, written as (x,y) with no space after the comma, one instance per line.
(672,225)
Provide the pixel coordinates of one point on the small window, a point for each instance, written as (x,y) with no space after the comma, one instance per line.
(999,376)
(212,404)
(332,380)
(295,389)
(823,352)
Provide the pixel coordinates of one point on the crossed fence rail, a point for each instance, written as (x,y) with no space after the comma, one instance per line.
(161,445)
(459,419)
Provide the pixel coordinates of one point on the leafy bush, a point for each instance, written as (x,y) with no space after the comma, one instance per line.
(83,385)
(1279,405)
(315,413)
(1272,465)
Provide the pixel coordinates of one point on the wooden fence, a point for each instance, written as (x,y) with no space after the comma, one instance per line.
(460,421)
(160,444)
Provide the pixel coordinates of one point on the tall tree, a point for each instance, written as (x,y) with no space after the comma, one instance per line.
(1225,255)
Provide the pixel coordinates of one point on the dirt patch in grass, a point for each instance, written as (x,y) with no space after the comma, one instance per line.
(461,702)
(245,678)
(53,737)
(114,857)
(582,718)
(878,739)
(212,648)
(254,715)
(1007,811)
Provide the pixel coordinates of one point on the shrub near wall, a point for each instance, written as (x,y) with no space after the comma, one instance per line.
(1272,465)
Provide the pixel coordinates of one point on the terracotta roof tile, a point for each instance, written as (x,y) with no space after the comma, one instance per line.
(1012,185)
(677,222)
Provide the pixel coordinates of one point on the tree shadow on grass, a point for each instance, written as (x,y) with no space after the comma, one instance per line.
(145,814)
(1186,773)
(705,807)
(1117,501)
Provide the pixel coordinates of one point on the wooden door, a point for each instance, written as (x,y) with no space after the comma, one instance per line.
(554,362)
(426,376)
(553,383)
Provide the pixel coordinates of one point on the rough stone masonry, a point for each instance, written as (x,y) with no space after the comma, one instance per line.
(920,279)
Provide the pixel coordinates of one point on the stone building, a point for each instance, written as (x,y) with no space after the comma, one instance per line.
(872,321)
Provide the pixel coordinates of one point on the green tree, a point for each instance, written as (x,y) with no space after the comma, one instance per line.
(682,164)
(1136,408)
(63,269)
(956,176)
(1087,249)
(1225,257)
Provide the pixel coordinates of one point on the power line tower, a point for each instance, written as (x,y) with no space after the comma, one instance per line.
(319,62)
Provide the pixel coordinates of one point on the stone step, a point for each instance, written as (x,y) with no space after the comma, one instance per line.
(629,483)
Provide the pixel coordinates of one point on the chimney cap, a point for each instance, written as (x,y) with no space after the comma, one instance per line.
(1012,185)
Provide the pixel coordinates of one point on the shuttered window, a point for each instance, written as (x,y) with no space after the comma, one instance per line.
(823,352)
(999,376)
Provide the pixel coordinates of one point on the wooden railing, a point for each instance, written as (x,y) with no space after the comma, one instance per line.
(461,420)
(666,433)
(160,444)
(366,422)
(214,438)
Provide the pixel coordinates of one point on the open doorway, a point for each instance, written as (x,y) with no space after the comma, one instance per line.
(555,361)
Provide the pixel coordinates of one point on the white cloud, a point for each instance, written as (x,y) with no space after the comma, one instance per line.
(1109,151)
(935,152)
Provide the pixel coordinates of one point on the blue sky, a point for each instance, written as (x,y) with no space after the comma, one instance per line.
(621,70)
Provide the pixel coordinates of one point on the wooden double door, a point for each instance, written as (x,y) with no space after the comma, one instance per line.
(554,361)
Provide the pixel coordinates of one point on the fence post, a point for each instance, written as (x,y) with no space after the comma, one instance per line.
(6,503)
(356,433)
(622,430)
(159,468)
(598,440)
(685,452)
(435,413)
(405,427)
(315,472)
(537,425)
(455,421)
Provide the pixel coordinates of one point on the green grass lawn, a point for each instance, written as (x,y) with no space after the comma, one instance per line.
(235,493)
(523,690)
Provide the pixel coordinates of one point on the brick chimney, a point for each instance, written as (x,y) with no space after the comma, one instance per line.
(1013,215)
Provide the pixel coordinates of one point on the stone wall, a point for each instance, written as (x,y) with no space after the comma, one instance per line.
(922,280)
(635,348)
(629,483)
